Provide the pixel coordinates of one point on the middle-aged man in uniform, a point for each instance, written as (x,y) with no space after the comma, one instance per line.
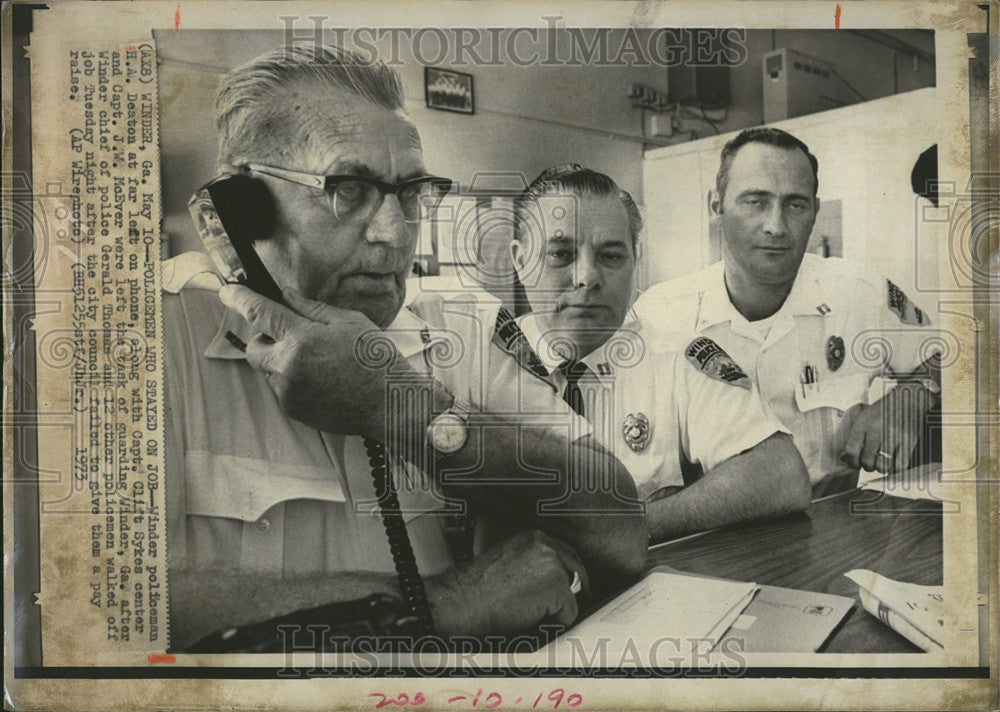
(269,515)
(682,417)
(814,334)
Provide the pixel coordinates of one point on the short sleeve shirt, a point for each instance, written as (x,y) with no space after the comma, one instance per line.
(656,409)
(822,352)
(251,490)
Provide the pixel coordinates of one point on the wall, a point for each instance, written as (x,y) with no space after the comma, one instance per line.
(864,162)
(527,118)
(874,70)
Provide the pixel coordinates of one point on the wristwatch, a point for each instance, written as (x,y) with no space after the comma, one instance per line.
(448,431)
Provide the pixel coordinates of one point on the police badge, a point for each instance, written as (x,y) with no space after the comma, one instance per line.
(834,352)
(635,430)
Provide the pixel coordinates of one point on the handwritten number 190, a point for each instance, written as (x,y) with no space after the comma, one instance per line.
(557,695)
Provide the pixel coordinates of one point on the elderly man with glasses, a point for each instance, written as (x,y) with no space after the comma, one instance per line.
(278,520)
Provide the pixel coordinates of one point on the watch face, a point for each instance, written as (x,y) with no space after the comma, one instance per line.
(448,433)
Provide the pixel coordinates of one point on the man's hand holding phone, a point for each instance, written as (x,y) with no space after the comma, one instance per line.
(327,365)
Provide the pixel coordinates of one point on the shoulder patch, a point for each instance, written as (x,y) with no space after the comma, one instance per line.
(709,358)
(507,335)
(900,304)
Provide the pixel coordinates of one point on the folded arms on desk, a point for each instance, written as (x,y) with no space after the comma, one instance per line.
(768,480)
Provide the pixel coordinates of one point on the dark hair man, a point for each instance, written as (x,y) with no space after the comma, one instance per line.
(798,323)
(655,401)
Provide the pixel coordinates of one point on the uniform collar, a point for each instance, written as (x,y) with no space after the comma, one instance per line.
(549,356)
(408,332)
(804,299)
(600,361)
(715,305)
(624,348)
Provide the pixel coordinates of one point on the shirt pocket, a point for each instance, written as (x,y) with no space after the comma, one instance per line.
(244,488)
(236,509)
(839,393)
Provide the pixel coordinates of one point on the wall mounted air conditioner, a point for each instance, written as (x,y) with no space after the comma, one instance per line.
(796,84)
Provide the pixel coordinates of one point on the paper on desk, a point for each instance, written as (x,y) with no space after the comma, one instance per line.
(915,483)
(663,615)
(915,612)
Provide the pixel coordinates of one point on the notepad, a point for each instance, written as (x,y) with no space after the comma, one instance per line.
(659,620)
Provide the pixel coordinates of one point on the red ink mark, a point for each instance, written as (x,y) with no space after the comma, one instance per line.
(836,17)
(129,48)
(160,658)
(402,700)
(177,18)
(493,700)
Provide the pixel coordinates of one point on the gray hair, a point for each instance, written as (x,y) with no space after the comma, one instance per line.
(251,119)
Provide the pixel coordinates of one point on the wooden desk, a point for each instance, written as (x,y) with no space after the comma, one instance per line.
(898,538)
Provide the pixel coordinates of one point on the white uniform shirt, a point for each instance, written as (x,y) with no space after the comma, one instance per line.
(817,356)
(249,489)
(679,415)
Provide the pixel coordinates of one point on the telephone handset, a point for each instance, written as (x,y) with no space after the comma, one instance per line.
(230,213)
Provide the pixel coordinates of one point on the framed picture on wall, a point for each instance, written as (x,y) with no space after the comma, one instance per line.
(449,91)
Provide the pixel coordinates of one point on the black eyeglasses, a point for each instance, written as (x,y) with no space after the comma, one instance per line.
(354,199)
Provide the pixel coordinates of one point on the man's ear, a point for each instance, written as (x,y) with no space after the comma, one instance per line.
(517,255)
(714,203)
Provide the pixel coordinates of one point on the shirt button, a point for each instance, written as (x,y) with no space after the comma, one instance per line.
(262,526)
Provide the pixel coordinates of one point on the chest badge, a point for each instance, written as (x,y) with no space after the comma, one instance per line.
(834,352)
(635,430)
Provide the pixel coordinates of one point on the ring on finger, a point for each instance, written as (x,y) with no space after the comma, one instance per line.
(576,585)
